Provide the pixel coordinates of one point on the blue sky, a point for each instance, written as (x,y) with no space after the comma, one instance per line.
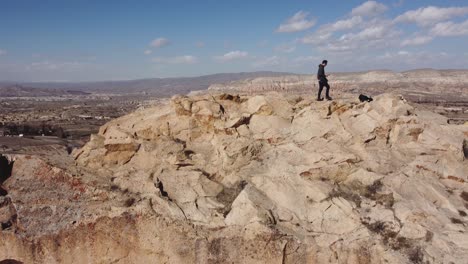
(84,40)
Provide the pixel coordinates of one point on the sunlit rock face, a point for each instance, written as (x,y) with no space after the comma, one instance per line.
(268,178)
(421,85)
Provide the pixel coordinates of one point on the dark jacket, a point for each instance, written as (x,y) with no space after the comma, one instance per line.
(321,74)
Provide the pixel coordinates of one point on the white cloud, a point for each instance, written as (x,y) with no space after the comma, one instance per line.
(367,30)
(2,52)
(200,44)
(431,15)
(369,8)
(416,41)
(267,62)
(298,22)
(447,29)
(345,24)
(148,51)
(370,33)
(373,36)
(374,41)
(232,55)
(316,38)
(159,42)
(325,32)
(286,48)
(186,59)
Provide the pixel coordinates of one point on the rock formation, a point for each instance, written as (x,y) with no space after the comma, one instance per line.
(222,178)
(416,84)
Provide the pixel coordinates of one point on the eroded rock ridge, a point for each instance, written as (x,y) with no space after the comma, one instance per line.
(250,179)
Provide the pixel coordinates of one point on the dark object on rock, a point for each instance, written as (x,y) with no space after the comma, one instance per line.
(465,148)
(10,261)
(6,167)
(365,98)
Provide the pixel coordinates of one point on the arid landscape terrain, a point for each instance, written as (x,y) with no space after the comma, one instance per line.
(243,169)
(180,132)
(70,113)
(443,91)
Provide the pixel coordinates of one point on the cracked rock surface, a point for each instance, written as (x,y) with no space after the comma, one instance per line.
(248,179)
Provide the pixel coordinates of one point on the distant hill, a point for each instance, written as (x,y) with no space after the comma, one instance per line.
(373,82)
(419,85)
(155,86)
(17,90)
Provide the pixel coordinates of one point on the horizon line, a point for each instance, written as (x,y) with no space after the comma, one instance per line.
(219,73)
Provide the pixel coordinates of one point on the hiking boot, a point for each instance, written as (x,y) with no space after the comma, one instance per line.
(319,99)
(329,98)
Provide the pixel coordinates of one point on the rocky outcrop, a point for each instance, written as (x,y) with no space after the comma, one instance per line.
(250,179)
(417,84)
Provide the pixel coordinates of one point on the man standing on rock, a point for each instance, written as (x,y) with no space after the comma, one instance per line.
(323,81)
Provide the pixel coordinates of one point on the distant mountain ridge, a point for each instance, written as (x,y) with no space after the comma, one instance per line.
(157,86)
(415,83)
(421,80)
(24,91)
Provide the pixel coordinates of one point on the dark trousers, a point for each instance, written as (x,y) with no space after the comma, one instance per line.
(321,85)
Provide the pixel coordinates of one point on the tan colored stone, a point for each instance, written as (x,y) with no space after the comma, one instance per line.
(248,179)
